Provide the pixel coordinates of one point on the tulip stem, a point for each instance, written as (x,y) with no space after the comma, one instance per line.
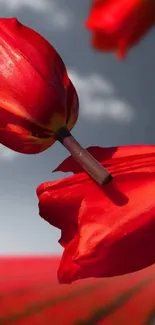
(83,157)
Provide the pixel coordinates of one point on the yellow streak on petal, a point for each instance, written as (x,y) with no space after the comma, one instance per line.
(18,110)
(56,122)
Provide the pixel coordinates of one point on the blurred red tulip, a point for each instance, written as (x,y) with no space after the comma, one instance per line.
(117,25)
(109,230)
(36,95)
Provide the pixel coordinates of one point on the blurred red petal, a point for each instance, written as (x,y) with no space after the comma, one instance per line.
(117,25)
(102,226)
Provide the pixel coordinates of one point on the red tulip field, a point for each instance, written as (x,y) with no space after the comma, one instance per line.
(30,294)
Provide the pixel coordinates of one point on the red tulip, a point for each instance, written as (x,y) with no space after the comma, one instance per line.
(38,102)
(117,25)
(105,231)
(36,95)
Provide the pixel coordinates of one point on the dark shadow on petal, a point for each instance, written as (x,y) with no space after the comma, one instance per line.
(151,319)
(115,194)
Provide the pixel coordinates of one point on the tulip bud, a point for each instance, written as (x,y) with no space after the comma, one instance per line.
(36,95)
(38,102)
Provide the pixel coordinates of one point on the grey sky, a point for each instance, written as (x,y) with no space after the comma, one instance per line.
(121,94)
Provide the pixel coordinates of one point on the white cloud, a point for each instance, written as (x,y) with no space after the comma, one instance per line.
(98,98)
(56,15)
(17,4)
(7,154)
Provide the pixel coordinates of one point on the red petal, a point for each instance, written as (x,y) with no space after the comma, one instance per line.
(72,106)
(107,156)
(59,202)
(105,231)
(99,153)
(109,15)
(117,25)
(114,235)
(112,240)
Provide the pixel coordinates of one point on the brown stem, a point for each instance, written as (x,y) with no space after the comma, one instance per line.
(83,157)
